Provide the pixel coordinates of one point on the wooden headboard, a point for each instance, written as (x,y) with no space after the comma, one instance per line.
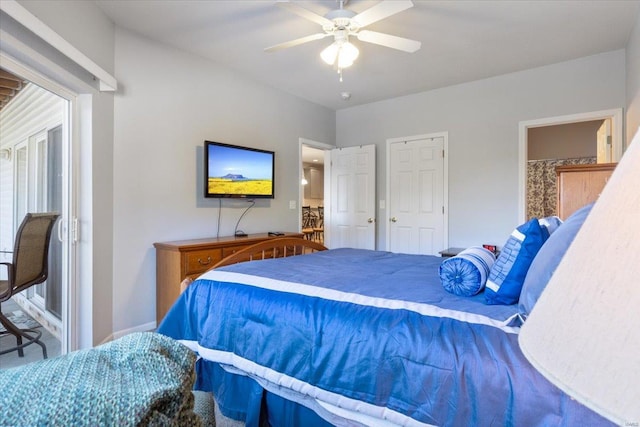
(272,248)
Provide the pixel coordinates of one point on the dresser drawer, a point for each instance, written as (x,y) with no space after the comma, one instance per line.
(199,261)
(232,250)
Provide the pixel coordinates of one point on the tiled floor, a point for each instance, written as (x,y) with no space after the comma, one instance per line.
(32,352)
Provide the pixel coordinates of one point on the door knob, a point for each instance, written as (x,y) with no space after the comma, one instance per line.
(393,219)
(370,220)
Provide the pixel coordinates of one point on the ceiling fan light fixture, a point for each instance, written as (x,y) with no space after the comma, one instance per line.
(347,54)
(340,53)
(342,23)
(330,53)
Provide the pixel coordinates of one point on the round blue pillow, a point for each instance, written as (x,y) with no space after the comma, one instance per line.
(466,273)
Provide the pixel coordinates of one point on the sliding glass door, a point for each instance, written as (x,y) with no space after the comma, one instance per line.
(48,196)
(35,128)
(55,197)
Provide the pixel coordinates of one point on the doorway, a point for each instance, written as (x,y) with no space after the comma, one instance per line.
(313,191)
(602,131)
(552,146)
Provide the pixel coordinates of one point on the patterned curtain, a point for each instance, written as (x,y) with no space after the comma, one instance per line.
(542,185)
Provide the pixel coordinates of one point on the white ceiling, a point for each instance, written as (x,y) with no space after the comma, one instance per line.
(461,40)
(312,155)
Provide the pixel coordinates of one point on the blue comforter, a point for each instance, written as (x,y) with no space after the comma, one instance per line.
(368,335)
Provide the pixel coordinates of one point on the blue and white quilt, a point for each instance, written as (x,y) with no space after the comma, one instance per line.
(365,338)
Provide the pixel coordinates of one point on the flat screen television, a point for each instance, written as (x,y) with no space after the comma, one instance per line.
(234,171)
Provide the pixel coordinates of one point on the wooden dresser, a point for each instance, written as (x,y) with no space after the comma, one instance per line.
(180,259)
(579,185)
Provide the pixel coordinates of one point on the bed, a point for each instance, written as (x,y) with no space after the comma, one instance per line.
(354,337)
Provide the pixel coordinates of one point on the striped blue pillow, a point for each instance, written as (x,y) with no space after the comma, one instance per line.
(510,269)
(466,273)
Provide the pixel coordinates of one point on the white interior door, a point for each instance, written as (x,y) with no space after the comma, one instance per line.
(416,196)
(352,206)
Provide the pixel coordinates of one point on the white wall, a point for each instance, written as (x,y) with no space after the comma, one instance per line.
(482,120)
(81,23)
(169,103)
(633,81)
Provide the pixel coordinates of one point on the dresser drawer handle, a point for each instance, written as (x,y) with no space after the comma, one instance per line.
(205,263)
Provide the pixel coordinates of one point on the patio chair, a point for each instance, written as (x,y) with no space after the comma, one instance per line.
(29,267)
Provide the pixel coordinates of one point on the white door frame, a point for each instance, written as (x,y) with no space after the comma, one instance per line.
(445,136)
(327,188)
(616,117)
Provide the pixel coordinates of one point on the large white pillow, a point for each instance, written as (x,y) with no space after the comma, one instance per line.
(548,258)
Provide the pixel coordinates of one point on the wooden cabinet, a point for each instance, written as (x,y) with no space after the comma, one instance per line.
(579,185)
(180,259)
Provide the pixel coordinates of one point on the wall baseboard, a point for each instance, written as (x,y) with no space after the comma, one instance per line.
(146,327)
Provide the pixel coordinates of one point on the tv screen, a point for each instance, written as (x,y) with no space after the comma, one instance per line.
(233,171)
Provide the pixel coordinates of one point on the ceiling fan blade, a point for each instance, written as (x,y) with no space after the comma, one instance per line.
(380,11)
(296,42)
(305,13)
(388,40)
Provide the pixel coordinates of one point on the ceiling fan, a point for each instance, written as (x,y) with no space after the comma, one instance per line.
(342,24)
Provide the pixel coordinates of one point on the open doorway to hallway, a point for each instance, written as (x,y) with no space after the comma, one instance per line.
(313,193)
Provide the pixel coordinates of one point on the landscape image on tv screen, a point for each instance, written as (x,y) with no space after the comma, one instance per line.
(238,171)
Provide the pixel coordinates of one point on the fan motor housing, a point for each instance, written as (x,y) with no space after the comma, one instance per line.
(341,19)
